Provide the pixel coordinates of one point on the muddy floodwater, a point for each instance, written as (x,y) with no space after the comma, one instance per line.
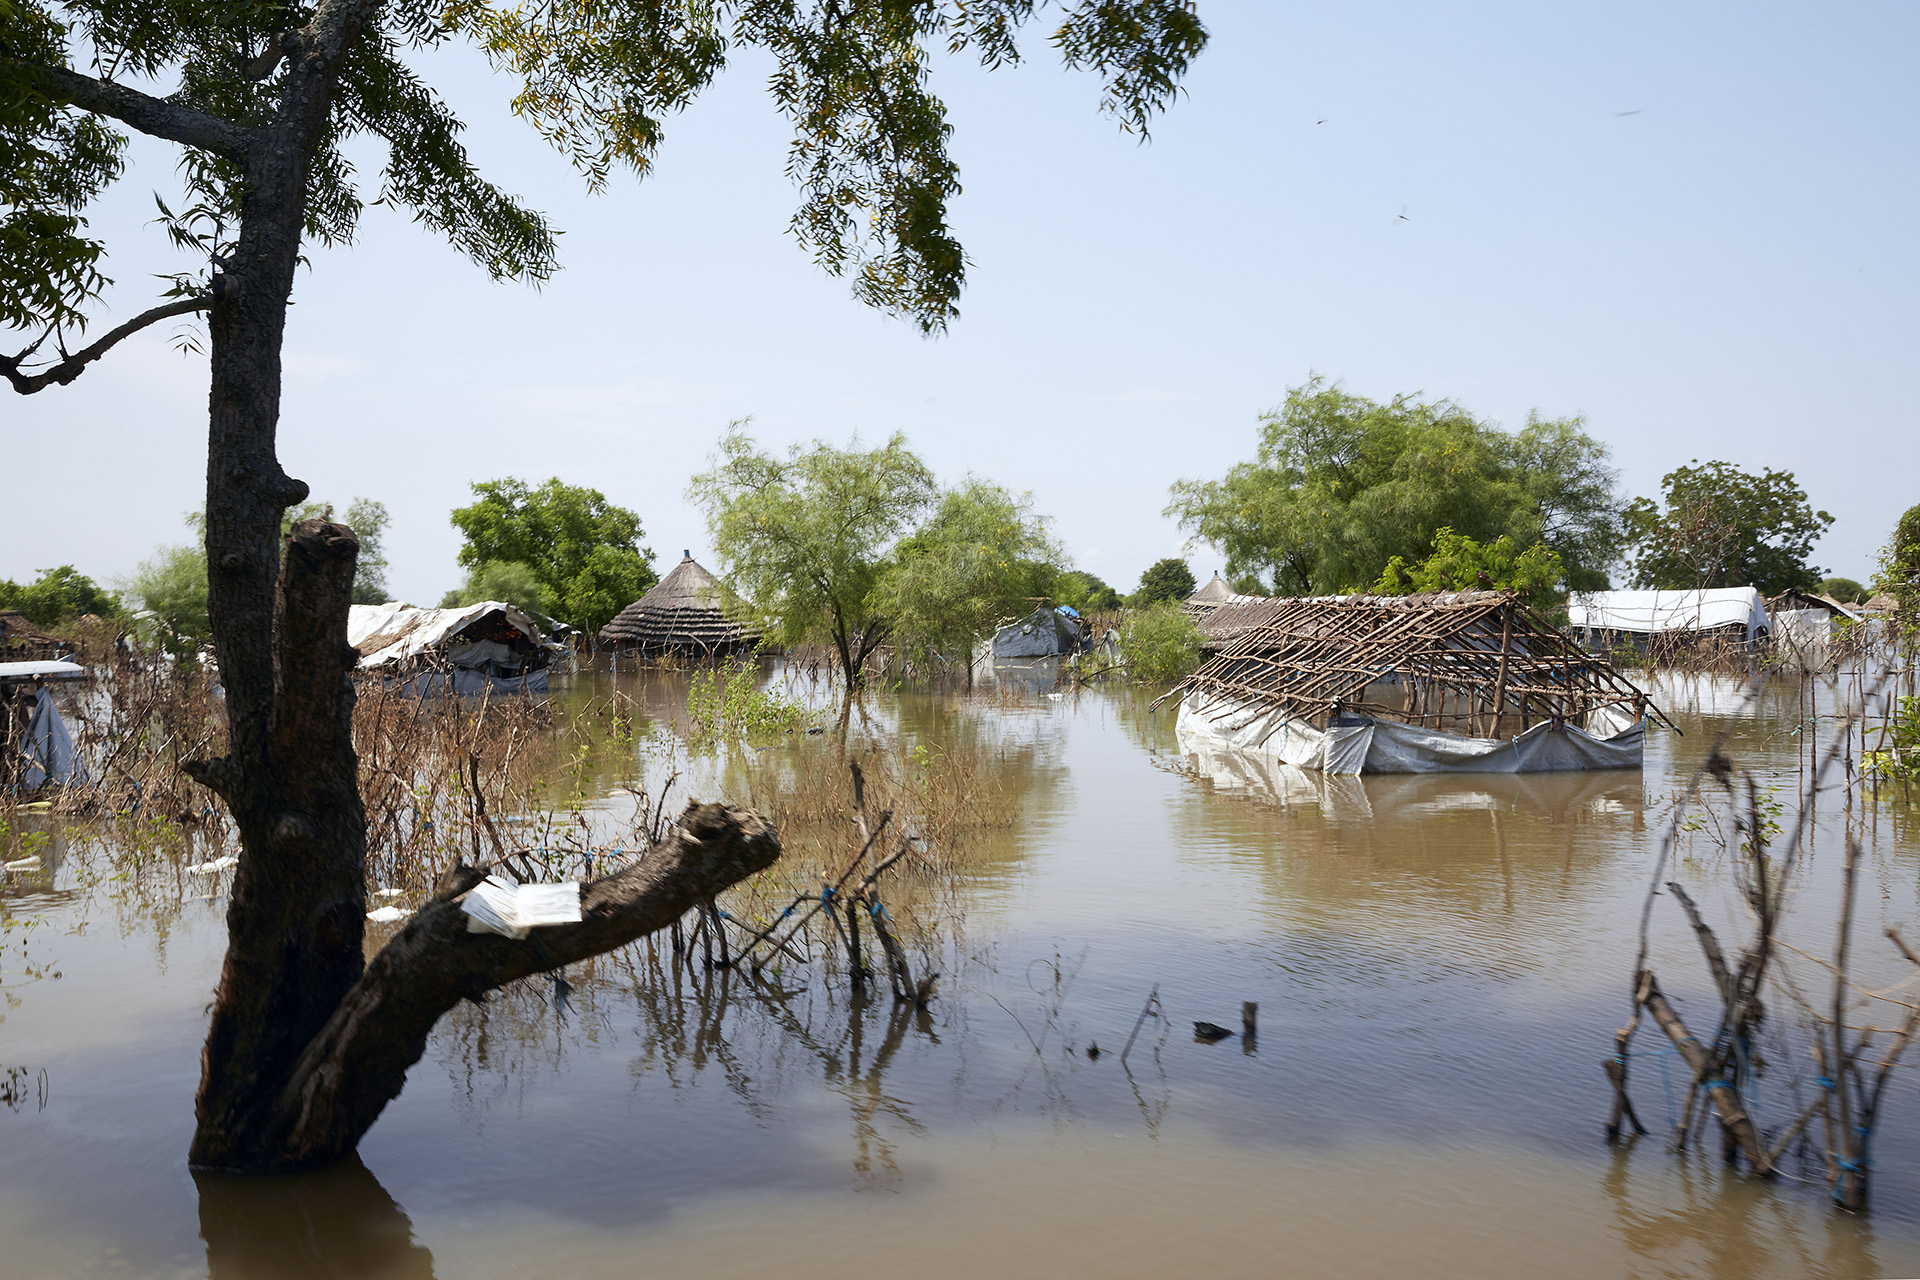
(1439,963)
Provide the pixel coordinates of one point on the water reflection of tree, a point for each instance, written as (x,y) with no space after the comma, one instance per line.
(339,1222)
(760,1037)
(1694,1220)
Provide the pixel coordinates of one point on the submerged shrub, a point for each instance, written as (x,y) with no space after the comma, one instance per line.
(729,703)
(1160,644)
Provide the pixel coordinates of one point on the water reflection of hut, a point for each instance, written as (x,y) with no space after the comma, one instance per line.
(682,614)
(1472,681)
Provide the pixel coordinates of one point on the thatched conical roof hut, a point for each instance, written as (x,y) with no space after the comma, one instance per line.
(681,612)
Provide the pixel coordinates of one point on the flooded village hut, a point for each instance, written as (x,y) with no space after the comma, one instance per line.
(1472,681)
(1209,597)
(21,641)
(682,614)
(466,651)
(1727,618)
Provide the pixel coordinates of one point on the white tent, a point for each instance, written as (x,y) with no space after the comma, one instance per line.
(1665,612)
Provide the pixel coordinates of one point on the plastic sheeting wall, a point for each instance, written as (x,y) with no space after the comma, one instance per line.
(48,748)
(1384,746)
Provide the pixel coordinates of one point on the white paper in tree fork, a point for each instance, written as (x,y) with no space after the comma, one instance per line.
(498,905)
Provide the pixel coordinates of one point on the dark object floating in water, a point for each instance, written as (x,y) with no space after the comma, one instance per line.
(1093,1052)
(1208,1032)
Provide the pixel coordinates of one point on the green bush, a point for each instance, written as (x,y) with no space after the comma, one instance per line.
(729,703)
(1160,644)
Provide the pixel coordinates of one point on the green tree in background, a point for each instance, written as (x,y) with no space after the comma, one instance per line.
(368,519)
(1086,592)
(516,584)
(1719,526)
(805,539)
(584,551)
(168,596)
(1845,590)
(58,596)
(1167,579)
(1458,563)
(1160,643)
(983,557)
(1899,575)
(1342,484)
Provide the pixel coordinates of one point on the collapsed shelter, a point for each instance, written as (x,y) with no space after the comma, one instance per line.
(681,614)
(465,651)
(1470,680)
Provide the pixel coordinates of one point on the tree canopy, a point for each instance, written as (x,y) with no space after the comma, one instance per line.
(1086,592)
(1342,484)
(1719,526)
(169,592)
(1899,570)
(806,539)
(57,596)
(597,80)
(1164,580)
(982,558)
(1458,563)
(584,551)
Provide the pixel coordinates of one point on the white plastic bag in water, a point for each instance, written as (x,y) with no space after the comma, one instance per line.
(498,905)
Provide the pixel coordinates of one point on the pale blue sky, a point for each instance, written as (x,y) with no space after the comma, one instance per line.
(1727,273)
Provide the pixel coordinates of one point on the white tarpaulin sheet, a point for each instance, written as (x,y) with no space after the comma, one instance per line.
(398,633)
(48,748)
(1652,612)
(1384,746)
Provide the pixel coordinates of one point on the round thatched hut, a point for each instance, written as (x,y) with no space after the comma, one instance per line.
(682,614)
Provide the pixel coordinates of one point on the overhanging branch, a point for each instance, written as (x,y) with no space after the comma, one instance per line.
(70,368)
(143,111)
(359,1060)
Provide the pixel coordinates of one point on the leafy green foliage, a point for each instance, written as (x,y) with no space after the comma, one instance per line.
(1458,563)
(1899,571)
(1342,484)
(516,584)
(1895,756)
(584,551)
(983,557)
(1719,526)
(1845,590)
(169,595)
(53,162)
(729,703)
(869,149)
(58,596)
(368,518)
(806,538)
(1167,579)
(598,79)
(1159,644)
(1085,592)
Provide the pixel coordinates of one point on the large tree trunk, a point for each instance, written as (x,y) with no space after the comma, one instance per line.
(297,912)
(304,1049)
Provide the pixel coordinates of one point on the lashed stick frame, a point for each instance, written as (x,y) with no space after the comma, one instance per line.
(1476,663)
